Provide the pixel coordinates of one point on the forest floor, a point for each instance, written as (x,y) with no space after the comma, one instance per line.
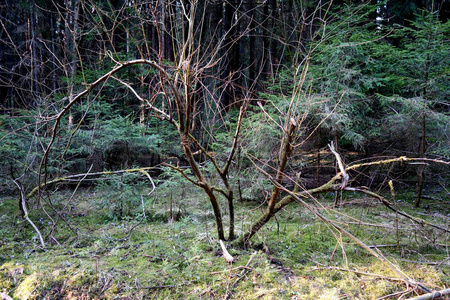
(174,253)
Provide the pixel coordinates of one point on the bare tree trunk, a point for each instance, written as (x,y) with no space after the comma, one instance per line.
(185,142)
(265,43)
(318,157)
(53,57)
(228,54)
(169,19)
(249,12)
(70,39)
(421,172)
(422,147)
(185,23)
(284,155)
(272,55)
(34,80)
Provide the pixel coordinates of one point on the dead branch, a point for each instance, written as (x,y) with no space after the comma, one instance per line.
(401,159)
(331,186)
(356,272)
(389,205)
(25,212)
(401,294)
(246,270)
(390,245)
(432,295)
(345,176)
(84,175)
(232,269)
(225,252)
(294,197)
(171,286)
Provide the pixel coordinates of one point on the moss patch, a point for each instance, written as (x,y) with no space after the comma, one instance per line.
(295,256)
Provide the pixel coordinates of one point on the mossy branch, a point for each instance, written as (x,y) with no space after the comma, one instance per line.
(295,197)
(84,175)
(432,295)
(332,185)
(401,159)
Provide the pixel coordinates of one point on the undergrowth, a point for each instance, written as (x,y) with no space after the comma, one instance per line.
(295,256)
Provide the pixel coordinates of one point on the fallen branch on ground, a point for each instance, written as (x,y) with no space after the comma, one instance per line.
(432,295)
(246,270)
(226,255)
(25,213)
(356,272)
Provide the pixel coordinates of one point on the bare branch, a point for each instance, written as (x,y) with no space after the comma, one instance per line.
(235,140)
(225,252)
(432,295)
(25,212)
(389,205)
(345,176)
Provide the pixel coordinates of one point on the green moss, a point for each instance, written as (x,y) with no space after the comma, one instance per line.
(27,288)
(297,256)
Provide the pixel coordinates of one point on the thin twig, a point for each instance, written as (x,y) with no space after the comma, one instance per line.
(84,175)
(170,286)
(402,293)
(243,273)
(389,205)
(233,269)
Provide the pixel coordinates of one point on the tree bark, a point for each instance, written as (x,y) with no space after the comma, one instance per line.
(169,19)
(284,155)
(231,56)
(34,84)
(185,143)
(433,295)
(421,172)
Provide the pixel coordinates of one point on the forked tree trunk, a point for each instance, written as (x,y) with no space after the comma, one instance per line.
(201,182)
(283,157)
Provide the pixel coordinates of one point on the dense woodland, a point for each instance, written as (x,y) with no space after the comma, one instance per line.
(265,103)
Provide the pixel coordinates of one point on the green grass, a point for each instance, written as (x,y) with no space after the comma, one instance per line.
(295,256)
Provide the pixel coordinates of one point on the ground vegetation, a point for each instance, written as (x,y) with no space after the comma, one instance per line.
(290,137)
